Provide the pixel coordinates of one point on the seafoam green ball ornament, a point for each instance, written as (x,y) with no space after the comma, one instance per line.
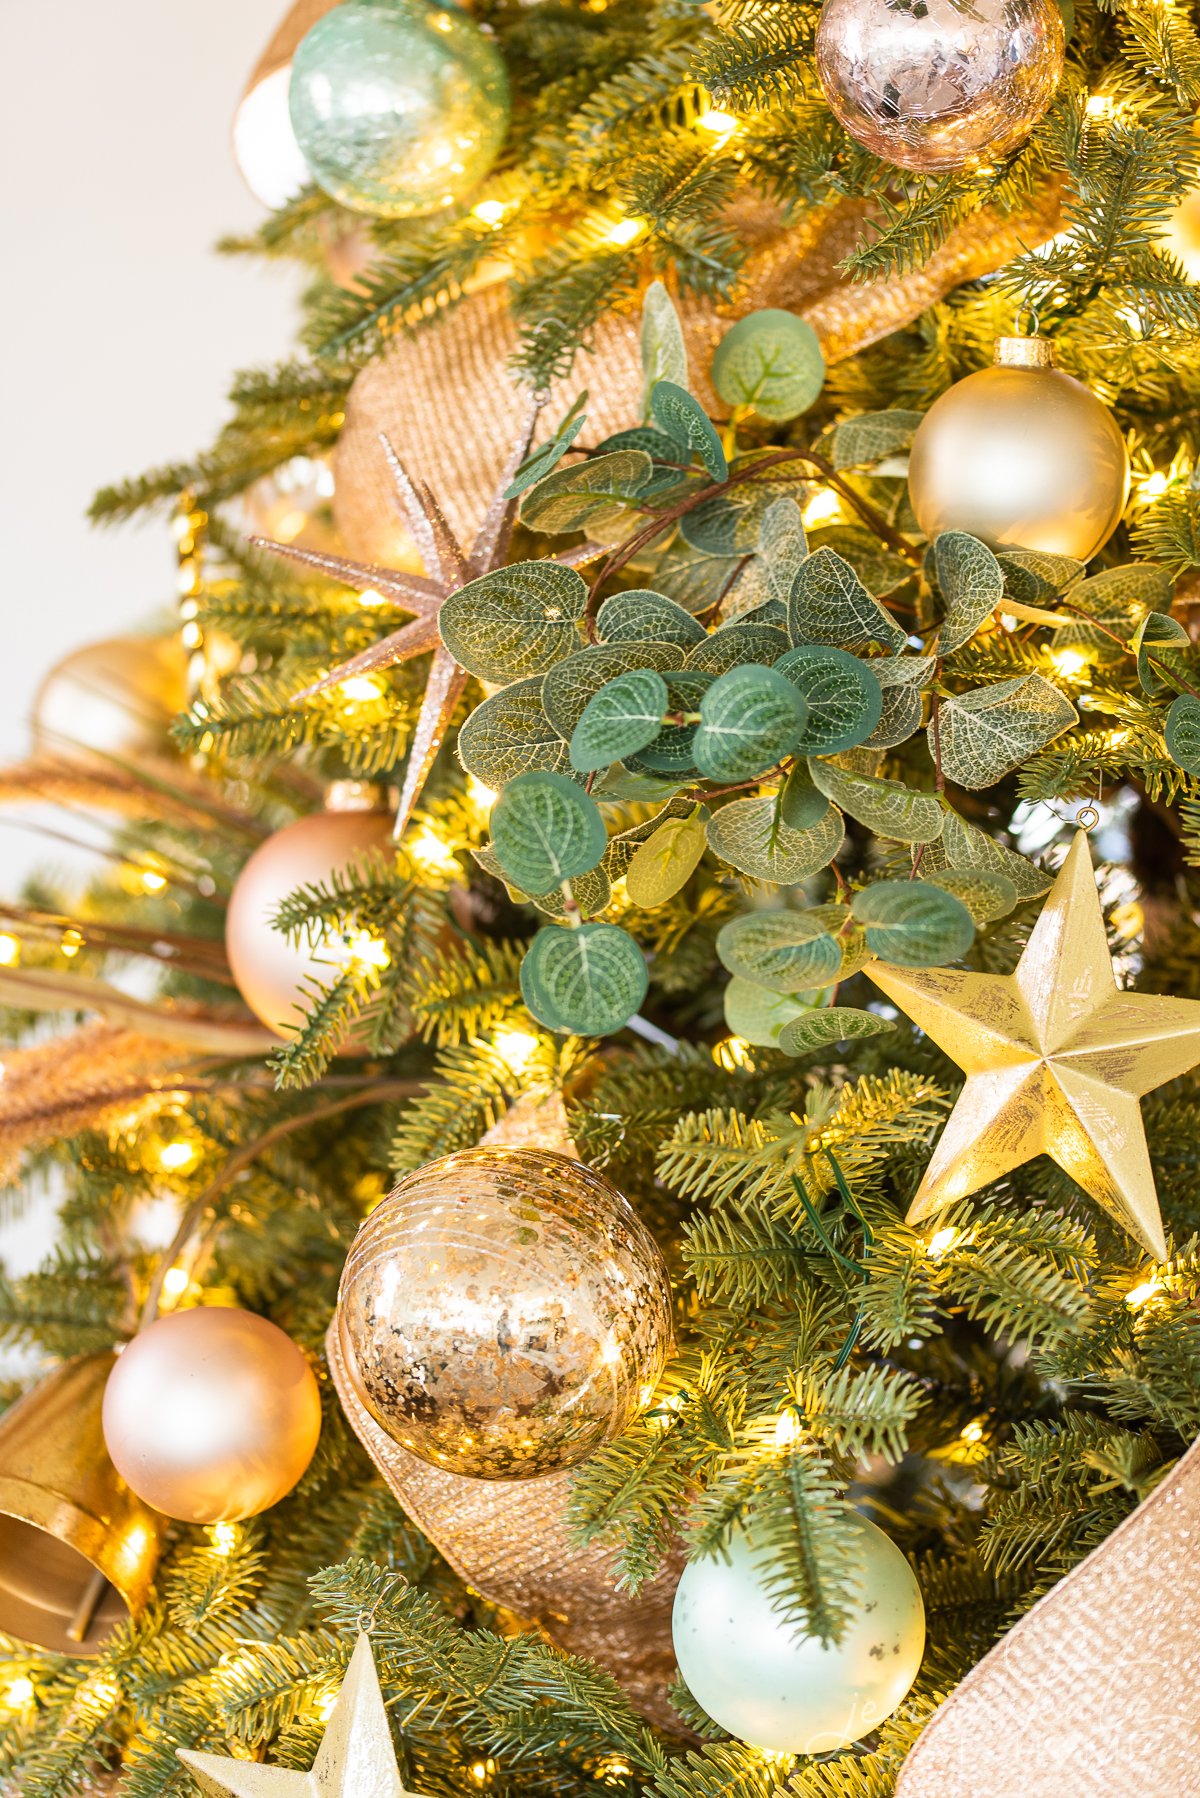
(785,1692)
(399,106)
(772,361)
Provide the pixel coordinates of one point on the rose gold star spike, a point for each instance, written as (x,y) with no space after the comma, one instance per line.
(448,569)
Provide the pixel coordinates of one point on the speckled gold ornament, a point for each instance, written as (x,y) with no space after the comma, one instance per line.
(1022,455)
(939,85)
(504,1312)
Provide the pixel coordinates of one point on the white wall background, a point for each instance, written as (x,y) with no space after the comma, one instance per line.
(119,327)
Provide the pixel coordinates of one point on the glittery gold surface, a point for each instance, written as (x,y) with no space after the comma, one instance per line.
(504,1312)
(356,1758)
(933,86)
(1096,1693)
(1056,1059)
(459,366)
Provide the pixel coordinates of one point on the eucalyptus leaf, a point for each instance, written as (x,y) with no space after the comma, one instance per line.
(508,735)
(843,697)
(1156,643)
(751,836)
(750,719)
(687,423)
(803,804)
(835,1024)
(913,923)
(548,455)
(571,683)
(989,732)
(623,717)
(735,643)
(972,585)
(887,807)
(671,750)
(589,980)
(1117,599)
(665,863)
(1033,576)
(1182,733)
(970,849)
(789,952)
(782,547)
(770,360)
(664,352)
(871,438)
(545,830)
(591,894)
(899,718)
(829,604)
(588,495)
(641,616)
(758,1015)
(515,621)
(986,895)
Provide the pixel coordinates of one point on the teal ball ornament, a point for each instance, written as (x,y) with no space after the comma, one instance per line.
(399,106)
(783,1691)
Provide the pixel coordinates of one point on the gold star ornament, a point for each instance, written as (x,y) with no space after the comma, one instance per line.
(1056,1059)
(356,1757)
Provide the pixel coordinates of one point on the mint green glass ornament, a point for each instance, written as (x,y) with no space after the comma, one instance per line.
(400,106)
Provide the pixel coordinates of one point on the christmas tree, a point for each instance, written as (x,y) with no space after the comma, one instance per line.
(650,953)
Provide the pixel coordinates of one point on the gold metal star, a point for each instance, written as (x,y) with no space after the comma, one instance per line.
(1056,1059)
(356,1756)
(447,568)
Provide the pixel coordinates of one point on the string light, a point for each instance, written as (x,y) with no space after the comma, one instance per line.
(71,943)
(360,689)
(175,1282)
(720,124)
(489,212)
(483,1771)
(1154,486)
(369,597)
(941,1242)
(223,1537)
(152,881)
(431,854)
(516,1048)
(733,1052)
(973,1431)
(1144,1291)
(482,797)
(625,231)
(10,950)
(1100,106)
(824,507)
(174,1157)
(18,1694)
(1069,662)
(787,1429)
(360,948)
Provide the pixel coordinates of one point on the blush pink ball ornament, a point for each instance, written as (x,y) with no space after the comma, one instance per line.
(935,85)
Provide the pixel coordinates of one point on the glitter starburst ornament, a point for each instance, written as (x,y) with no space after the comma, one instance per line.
(1056,1059)
(356,1755)
(448,567)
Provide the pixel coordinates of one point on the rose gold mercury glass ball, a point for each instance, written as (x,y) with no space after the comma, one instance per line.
(504,1312)
(211,1415)
(934,84)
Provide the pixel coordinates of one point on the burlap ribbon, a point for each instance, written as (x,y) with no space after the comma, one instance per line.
(447,400)
(509,1539)
(1096,1692)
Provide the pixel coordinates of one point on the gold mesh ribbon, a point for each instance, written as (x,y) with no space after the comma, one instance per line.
(1096,1692)
(447,400)
(509,1540)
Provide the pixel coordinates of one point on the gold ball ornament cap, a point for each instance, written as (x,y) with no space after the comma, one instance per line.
(212,1415)
(270,970)
(78,1548)
(1023,456)
(504,1312)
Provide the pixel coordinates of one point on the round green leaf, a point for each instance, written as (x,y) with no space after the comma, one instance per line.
(641,616)
(750,835)
(665,862)
(787,951)
(1183,733)
(515,621)
(737,643)
(671,750)
(569,685)
(757,1014)
(623,717)
(913,923)
(985,894)
(772,361)
(546,829)
(509,734)
(837,1024)
(590,980)
(750,719)
(845,701)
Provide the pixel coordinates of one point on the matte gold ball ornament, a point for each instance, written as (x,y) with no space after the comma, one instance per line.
(1022,455)
(504,1312)
(211,1415)
(934,85)
(271,969)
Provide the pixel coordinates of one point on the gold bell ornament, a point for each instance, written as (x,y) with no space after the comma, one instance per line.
(1022,455)
(78,1548)
(112,700)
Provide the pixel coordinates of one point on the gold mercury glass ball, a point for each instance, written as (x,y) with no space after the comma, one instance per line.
(937,85)
(270,969)
(211,1415)
(504,1312)
(112,700)
(1022,455)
